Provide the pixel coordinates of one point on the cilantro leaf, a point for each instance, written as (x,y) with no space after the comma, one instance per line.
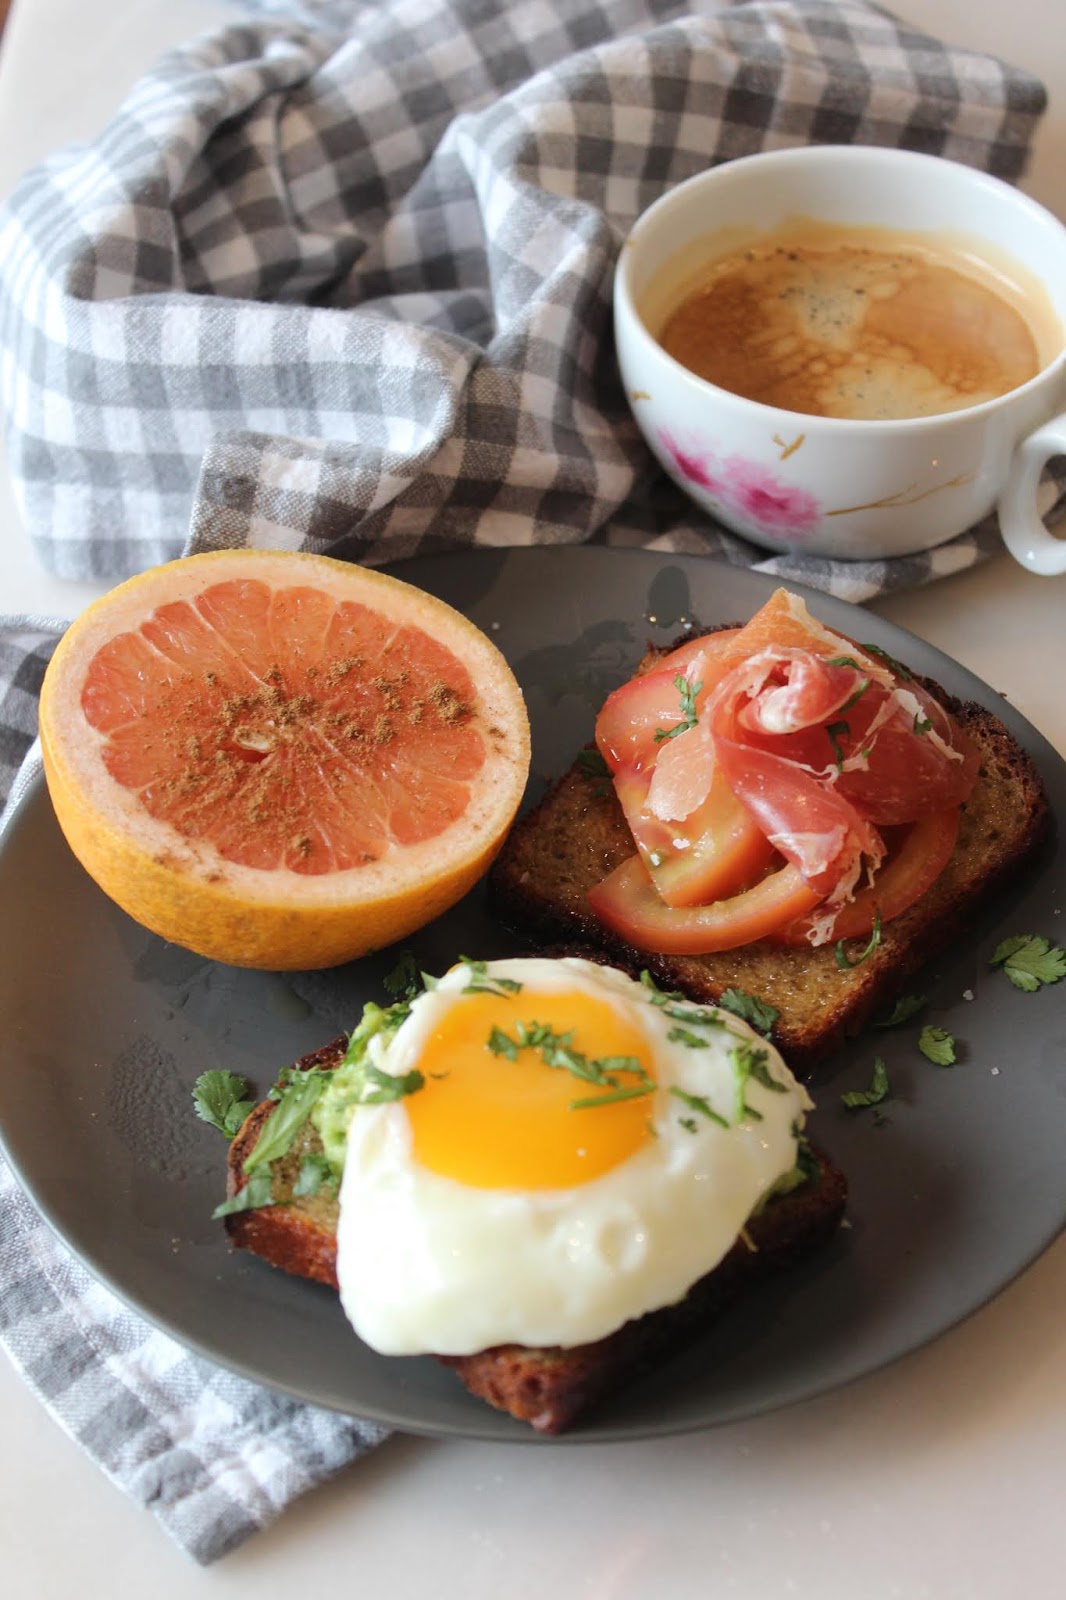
(837,731)
(292,1109)
(481,983)
(256,1192)
(405,980)
(697,1102)
(316,1173)
(220,1098)
(859,1099)
(890,661)
(844,961)
(685,1036)
(906,1007)
(759,1013)
(688,692)
(938,1046)
(591,765)
(1030,960)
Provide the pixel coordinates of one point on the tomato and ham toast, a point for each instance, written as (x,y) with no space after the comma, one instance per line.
(577,837)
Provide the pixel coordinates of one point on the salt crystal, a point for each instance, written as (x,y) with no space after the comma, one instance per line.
(995,1072)
(967,994)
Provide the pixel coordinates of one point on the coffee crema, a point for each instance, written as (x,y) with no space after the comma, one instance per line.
(823,322)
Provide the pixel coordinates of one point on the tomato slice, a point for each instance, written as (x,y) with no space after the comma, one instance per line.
(628,904)
(909,870)
(630,717)
(714,853)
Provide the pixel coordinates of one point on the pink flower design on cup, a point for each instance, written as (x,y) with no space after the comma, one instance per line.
(747,489)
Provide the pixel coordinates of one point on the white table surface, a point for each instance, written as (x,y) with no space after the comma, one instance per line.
(940,1477)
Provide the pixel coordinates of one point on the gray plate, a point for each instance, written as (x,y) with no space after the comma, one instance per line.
(106,1028)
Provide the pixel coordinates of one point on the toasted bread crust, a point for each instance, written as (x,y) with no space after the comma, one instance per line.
(548,1388)
(578,834)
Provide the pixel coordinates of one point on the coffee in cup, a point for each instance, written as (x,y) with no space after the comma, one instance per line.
(860,323)
(786,437)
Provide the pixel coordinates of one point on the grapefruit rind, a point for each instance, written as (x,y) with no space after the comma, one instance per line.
(181,888)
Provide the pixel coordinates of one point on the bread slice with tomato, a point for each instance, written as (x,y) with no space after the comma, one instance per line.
(847,820)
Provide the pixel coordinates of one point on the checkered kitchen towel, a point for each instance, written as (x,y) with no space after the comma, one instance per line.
(340,280)
(345,287)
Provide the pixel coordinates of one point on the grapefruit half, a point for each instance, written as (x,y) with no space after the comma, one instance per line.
(281,760)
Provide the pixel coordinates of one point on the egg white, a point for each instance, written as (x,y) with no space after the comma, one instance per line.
(428,1264)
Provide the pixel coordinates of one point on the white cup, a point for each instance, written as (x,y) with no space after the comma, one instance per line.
(841,487)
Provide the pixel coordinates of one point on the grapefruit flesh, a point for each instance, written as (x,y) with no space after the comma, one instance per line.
(281,760)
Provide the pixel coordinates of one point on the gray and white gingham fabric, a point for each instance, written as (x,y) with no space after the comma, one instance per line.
(339,280)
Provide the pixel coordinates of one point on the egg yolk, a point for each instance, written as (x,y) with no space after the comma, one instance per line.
(493,1123)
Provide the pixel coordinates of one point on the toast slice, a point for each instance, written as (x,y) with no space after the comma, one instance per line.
(578,834)
(549,1388)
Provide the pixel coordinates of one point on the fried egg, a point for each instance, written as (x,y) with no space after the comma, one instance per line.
(575,1149)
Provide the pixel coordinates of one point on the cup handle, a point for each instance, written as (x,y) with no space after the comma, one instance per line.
(1020,521)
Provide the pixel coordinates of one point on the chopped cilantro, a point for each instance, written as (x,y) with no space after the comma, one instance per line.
(256,1193)
(556,1050)
(938,1046)
(856,695)
(481,983)
(405,980)
(906,1007)
(688,692)
(922,724)
(591,765)
(294,1104)
(844,961)
(685,1036)
(760,1071)
(697,1102)
(382,1088)
(759,1013)
(1030,960)
(614,1095)
(316,1173)
(837,731)
(221,1099)
(859,1099)
(749,1062)
(890,661)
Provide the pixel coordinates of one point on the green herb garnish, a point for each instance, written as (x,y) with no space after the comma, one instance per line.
(591,765)
(906,1007)
(221,1098)
(922,724)
(938,1046)
(856,695)
(749,1061)
(556,1050)
(613,1095)
(689,1124)
(316,1173)
(844,961)
(1030,960)
(405,980)
(890,661)
(859,1099)
(746,1006)
(697,1102)
(256,1193)
(294,1103)
(836,731)
(688,692)
(843,661)
(481,983)
(685,1036)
